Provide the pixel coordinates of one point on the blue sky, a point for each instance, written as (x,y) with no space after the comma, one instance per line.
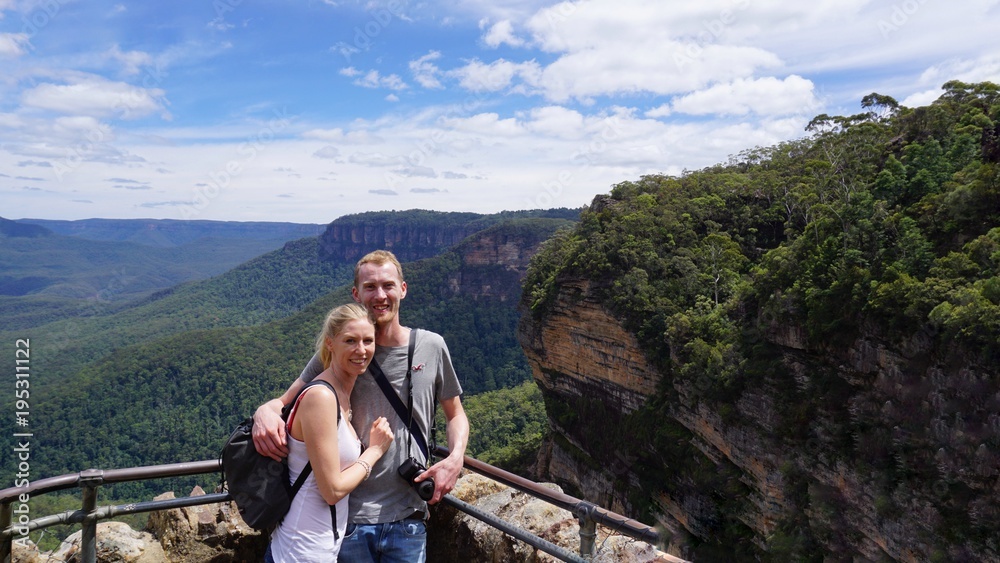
(302,111)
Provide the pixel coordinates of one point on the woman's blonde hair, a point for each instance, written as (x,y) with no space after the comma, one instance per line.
(334,324)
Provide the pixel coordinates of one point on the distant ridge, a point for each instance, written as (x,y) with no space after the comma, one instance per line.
(416,233)
(171,232)
(10,228)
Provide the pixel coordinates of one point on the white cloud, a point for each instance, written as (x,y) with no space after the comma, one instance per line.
(13,44)
(927,87)
(220,24)
(357,136)
(425,72)
(763,96)
(95,97)
(374,159)
(372,79)
(485,124)
(502,33)
(918,99)
(498,75)
(666,67)
(131,61)
(659,111)
(556,121)
(984,68)
(336,134)
(644,46)
(11,121)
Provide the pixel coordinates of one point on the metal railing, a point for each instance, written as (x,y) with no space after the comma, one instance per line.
(16,521)
(587,513)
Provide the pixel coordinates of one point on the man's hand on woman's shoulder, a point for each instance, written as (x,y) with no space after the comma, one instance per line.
(269,431)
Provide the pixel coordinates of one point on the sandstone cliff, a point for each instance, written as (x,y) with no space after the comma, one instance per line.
(349,238)
(413,235)
(599,386)
(493,263)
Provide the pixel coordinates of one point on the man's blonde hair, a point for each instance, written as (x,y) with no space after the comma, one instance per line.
(377,257)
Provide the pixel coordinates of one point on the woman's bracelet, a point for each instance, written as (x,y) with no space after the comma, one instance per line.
(368,468)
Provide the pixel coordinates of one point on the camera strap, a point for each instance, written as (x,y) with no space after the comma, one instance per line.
(405,413)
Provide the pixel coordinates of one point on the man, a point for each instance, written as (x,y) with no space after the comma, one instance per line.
(386,514)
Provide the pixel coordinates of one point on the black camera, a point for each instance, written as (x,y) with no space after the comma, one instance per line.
(409,471)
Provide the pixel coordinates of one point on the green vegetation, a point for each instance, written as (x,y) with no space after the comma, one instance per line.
(881,227)
(507,426)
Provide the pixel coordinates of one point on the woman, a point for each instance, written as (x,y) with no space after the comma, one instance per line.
(346,345)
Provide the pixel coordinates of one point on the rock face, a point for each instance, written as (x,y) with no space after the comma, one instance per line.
(582,351)
(417,234)
(581,357)
(493,263)
(349,238)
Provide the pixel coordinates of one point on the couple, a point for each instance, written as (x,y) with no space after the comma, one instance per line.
(384,519)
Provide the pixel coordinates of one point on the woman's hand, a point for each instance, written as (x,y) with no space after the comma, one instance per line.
(380,436)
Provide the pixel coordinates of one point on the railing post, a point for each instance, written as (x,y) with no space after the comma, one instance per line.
(588,529)
(90,480)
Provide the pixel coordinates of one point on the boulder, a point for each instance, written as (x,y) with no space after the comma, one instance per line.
(24,552)
(209,532)
(116,543)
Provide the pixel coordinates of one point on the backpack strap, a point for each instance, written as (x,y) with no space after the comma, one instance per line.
(286,411)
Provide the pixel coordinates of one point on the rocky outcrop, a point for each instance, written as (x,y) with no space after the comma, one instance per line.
(456,537)
(581,355)
(211,532)
(194,534)
(24,552)
(116,543)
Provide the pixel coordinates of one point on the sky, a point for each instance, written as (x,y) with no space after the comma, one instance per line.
(306,110)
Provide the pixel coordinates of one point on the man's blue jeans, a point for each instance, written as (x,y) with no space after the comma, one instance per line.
(391,542)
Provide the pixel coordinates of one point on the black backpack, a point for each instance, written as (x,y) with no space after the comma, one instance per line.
(258,484)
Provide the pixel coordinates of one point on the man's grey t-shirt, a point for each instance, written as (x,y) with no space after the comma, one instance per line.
(385,496)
